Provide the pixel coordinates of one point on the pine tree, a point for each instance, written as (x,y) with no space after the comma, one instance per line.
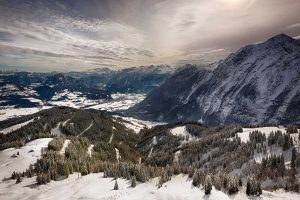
(66,171)
(196,179)
(133,181)
(104,174)
(116,187)
(217,182)
(253,187)
(248,187)
(294,156)
(208,185)
(83,169)
(18,179)
(14,175)
(191,171)
(259,190)
(233,186)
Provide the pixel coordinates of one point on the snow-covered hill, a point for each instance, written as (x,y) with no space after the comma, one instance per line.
(94,186)
(259,83)
(19,159)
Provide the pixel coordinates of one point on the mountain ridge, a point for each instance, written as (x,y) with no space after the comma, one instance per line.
(257,84)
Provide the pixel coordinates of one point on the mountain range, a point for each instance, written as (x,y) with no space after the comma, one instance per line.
(260,83)
(17,88)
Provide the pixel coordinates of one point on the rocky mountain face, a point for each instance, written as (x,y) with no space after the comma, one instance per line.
(139,79)
(260,83)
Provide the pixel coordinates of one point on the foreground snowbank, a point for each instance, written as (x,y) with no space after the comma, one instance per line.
(28,154)
(94,186)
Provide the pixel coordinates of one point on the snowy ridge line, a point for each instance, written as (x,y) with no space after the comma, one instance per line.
(16,127)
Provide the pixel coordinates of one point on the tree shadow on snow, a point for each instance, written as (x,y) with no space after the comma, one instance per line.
(32,186)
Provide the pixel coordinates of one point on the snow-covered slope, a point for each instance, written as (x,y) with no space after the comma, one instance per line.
(266,130)
(28,154)
(259,83)
(15,127)
(181,131)
(94,186)
(9,112)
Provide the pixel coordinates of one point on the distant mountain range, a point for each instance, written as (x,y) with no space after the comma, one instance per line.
(18,88)
(260,83)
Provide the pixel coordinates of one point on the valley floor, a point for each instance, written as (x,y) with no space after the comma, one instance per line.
(94,186)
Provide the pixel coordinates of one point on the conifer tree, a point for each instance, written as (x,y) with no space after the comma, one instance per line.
(233,186)
(116,186)
(208,185)
(18,179)
(133,181)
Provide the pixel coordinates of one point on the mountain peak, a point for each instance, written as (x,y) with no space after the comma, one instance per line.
(281,38)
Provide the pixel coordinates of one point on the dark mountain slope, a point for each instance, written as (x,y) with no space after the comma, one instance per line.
(258,84)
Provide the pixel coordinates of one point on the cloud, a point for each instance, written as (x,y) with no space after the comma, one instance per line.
(65,35)
(292,26)
(123,33)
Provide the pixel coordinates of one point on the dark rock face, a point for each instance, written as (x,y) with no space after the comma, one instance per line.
(258,84)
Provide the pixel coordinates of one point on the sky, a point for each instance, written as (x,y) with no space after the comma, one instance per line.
(77,35)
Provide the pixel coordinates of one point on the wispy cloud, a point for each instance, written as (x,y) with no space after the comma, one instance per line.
(120,33)
(297,25)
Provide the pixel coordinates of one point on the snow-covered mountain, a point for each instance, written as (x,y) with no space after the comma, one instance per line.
(81,89)
(260,83)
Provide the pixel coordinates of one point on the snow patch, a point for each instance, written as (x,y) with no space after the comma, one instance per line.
(150,153)
(120,102)
(90,150)
(137,125)
(267,130)
(117,154)
(66,144)
(181,131)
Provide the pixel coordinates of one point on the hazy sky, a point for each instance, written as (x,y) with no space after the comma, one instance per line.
(85,34)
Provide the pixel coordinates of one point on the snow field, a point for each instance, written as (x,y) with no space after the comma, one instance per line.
(10,112)
(94,186)
(267,130)
(181,131)
(28,154)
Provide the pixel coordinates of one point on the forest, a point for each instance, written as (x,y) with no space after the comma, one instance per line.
(209,155)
